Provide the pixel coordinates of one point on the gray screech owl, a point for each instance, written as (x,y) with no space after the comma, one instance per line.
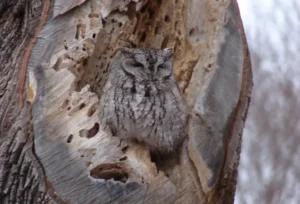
(141,99)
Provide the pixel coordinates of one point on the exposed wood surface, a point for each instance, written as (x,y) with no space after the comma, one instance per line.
(66,73)
(23,71)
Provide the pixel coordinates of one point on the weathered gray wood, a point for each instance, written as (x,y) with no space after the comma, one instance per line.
(67,70)
(212,114)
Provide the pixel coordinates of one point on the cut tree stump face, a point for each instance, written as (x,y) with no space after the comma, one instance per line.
(69,67)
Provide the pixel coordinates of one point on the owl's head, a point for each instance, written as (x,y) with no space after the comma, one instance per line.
(147,63)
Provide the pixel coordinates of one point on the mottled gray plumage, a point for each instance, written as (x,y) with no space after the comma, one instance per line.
(142,101)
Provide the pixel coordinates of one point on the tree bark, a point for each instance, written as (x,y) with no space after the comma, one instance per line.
(21,175)
(52,147)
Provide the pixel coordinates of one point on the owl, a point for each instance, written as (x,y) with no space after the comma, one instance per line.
(141,100)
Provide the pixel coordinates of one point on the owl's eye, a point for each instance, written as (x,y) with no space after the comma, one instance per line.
(136,64)
(161,66)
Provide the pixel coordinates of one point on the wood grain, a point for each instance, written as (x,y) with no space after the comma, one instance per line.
(72,160)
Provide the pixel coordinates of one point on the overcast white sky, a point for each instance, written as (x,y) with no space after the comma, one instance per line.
(273,29)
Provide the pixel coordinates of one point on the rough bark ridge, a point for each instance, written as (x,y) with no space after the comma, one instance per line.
(21,175)
(66,72)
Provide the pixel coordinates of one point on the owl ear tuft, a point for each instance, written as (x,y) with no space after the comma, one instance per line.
(128,52)
(167,53)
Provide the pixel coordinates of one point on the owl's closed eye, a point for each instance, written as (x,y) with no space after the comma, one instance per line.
(147,64)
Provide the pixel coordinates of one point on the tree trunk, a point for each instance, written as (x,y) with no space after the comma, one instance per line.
(52,147)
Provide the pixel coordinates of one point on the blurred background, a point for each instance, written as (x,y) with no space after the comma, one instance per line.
(269,171)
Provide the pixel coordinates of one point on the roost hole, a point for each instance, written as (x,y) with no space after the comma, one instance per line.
(94,130)
(143,38)
(81,106)
(123,158)
(165,42)
(108,171)
(70,138)
(191,32)
(89,133)
(150,11)
(124,149)
(167,19)
(92,110)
